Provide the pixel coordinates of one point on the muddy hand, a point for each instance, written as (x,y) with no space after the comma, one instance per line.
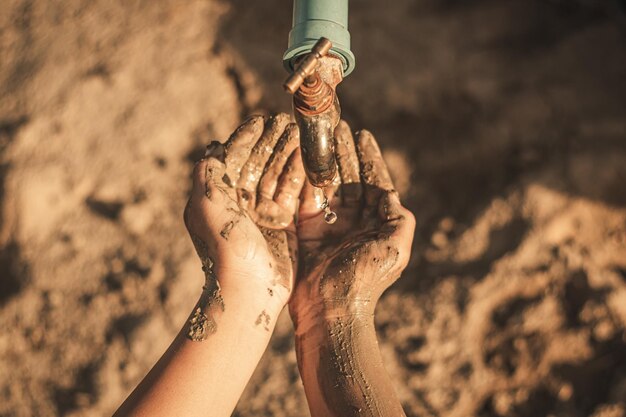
(345,267)
(240,214)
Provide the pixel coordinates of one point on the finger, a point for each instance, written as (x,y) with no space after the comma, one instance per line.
(207,178)
(398,223)
(348,163)
(284,148)
(374,173)
(271,215)
(290,183)
(217,150)
(239,146)
(389,207)
(198,177)
(208,193)
(254,166)
(213,209)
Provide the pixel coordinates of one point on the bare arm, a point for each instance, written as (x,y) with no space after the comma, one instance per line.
(201,378)
(240,217)
(345,268)
(342,369)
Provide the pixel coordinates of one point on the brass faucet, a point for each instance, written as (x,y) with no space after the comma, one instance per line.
(316,110)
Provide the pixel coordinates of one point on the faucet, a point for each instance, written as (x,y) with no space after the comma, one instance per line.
(319,56)
(317,111)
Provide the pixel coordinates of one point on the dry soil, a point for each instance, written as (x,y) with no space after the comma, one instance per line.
(504,122)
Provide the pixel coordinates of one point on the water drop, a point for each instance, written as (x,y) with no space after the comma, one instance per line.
(330,216)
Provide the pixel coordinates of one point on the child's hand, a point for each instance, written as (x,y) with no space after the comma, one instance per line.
(240,214)
(346,266)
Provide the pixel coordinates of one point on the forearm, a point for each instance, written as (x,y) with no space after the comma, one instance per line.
(207,366)
(342,369)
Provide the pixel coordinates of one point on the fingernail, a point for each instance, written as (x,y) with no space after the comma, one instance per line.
(216,150)
(365,137)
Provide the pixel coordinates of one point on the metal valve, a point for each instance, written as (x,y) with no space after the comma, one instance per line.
(306,67)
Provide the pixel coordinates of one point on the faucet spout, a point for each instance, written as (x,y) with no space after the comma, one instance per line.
(317,113)
(318,145)
(316,109)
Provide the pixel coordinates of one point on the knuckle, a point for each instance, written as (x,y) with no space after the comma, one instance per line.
(293,133)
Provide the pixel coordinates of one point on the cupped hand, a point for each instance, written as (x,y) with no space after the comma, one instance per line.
(242,207)
(346,266)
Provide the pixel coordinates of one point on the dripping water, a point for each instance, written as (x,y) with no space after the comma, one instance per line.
(330,216)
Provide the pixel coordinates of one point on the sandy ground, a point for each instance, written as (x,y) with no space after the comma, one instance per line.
(504,122)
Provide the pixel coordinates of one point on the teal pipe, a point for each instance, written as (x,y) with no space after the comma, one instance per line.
(313,19)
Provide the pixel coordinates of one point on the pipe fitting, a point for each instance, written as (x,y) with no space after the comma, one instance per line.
(317,139)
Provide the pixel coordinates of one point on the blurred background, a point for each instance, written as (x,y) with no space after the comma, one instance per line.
(503,121)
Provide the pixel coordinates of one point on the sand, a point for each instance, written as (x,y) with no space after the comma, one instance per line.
(504,126)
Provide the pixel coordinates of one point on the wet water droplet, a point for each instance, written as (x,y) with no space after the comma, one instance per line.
(330,216)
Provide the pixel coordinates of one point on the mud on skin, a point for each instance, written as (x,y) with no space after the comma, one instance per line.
(263,319)
(203,323)
(345,268)
(252,183)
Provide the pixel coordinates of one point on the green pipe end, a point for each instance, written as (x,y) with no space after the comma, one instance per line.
(314,19)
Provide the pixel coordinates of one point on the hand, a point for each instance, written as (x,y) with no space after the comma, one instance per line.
(240,214)
(346,266)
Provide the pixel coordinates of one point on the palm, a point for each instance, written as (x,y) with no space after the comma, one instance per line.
(278,234)
(243,203)
(268,232)
(357,251)
(315,234)
(356,258)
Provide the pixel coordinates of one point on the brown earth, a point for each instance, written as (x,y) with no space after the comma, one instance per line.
(504,122)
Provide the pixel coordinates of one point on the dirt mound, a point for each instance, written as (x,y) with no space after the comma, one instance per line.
(503,122)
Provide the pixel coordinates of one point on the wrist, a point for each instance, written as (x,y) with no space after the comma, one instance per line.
(244,314)
(253,291)
(307,313)
(331,330)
